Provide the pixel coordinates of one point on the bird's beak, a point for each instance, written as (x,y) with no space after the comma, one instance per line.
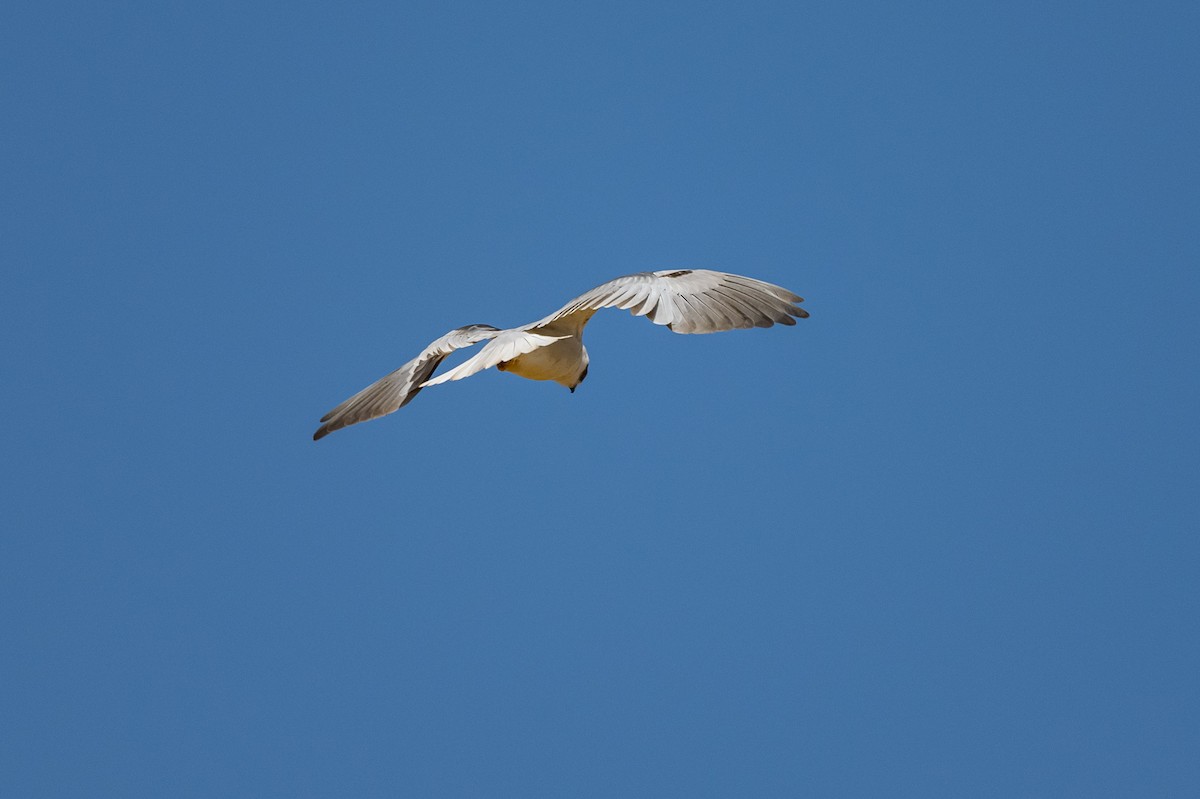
(572,389)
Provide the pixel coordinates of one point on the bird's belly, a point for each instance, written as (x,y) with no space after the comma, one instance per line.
(561,361)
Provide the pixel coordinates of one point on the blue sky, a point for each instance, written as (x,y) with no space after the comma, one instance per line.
(938,540)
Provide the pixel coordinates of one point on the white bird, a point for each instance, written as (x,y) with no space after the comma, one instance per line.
(685,300)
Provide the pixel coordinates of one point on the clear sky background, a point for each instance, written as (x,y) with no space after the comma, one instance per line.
(938,540)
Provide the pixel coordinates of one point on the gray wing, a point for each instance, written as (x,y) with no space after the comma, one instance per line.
(397,389)
(685,300)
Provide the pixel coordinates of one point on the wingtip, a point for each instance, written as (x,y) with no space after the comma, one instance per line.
(321,433)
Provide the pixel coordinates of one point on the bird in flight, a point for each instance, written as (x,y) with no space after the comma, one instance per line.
(684,300)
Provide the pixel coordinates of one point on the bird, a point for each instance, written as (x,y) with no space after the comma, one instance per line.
(682,300)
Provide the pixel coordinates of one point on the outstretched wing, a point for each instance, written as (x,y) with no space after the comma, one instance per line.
(685,300)
(505,346)
(397,389)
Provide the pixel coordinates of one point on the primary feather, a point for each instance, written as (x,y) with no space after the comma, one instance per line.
(396,390)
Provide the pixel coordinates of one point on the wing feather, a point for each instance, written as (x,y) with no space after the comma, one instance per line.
(397,389)
(718,318)
(734,305)
(665,313)
(685,301)
(765,308)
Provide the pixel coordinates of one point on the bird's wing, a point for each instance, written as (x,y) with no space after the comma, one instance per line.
(685,300)
(506,345)
(397,389)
